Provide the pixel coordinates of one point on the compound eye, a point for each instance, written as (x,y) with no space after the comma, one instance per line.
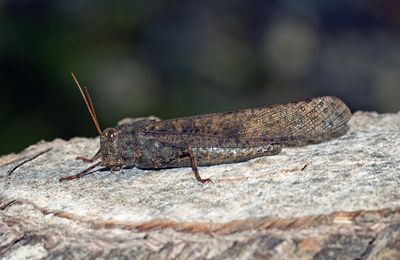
(112,134)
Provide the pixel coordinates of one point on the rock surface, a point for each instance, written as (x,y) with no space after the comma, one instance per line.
(336,199)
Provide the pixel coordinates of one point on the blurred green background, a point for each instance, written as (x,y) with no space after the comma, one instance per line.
(176,58)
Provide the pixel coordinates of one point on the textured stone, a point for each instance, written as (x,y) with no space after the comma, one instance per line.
(334,199)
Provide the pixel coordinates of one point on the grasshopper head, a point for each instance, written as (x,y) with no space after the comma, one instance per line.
(110,147)
(109,138)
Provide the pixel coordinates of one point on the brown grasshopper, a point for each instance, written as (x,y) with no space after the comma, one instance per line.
(213,138)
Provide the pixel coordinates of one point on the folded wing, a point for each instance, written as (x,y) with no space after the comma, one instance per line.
(284,123)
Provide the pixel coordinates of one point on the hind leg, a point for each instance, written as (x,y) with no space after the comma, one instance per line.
(194,164)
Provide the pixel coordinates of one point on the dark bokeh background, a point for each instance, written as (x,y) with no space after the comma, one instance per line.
(175,58)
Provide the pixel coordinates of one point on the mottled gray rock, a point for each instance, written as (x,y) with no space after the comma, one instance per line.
(338,198)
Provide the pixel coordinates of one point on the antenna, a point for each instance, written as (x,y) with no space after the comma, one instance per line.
(89,103)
